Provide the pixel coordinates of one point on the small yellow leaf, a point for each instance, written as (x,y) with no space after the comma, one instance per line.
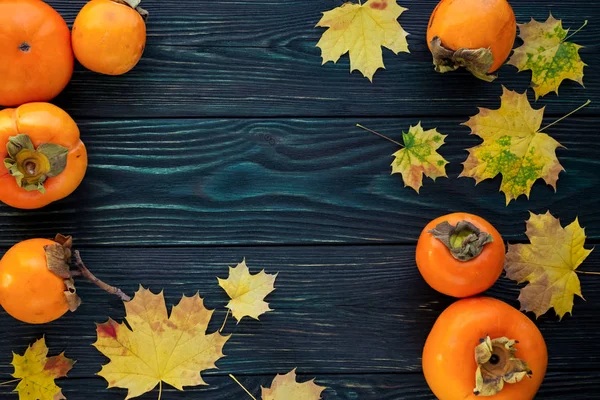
(361,31)
(419,156)
(285,387)
(548,263)
(37,372)
(512,146)
(158,348)
(549,57)
(247,292)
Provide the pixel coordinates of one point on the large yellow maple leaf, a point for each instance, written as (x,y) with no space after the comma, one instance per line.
(247,292)
(285,387)
(38,372)
(548,55)
(361,30)
(512,146)
(548,263)
(419,156)
(156,347)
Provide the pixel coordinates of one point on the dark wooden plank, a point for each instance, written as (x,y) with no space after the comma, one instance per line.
(217,182)
(258,58)
(327,299)
(557,386)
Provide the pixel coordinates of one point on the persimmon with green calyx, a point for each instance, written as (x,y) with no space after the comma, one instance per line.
(42,158)
(483,347)
(36,280)
(460,254)
(475,34)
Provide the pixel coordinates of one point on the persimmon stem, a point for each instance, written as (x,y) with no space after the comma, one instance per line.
(224,322)
(380,135)
(242,386)
(83,271)
(568,115)
(9,382)
(580,28)
(587,272)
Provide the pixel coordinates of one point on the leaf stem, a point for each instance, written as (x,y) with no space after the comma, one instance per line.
(83,271)
(242,386)
(380,135)
(568,115)
(580,28)
(9,382)
(587,272)
(224,322)
(159,389)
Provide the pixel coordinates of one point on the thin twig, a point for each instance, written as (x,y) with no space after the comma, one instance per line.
(9,382)
(92,278)
(224,322)
(242,386)
(380,135)
(568,115)
(580,28)
(587,272)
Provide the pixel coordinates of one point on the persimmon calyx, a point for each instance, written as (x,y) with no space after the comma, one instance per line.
(465,241)
(135,4)
(496,365)
(30,166)
(476,61)
(58,259)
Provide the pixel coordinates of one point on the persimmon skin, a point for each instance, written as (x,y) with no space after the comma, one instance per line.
(29,292)
(44,123)
(475,24)
(448,356)
(457,278)
(37,59)
(108,37)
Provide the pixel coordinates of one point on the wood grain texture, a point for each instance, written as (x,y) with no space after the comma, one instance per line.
(557,386)
(327,300)
(259,181)
(258,58)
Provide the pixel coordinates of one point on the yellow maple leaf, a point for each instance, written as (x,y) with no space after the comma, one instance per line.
(158,348)
(38,372)
(247,292)
(548,263)
(548,55)
(361,30)
(285,387)
(512,146)
(419,156)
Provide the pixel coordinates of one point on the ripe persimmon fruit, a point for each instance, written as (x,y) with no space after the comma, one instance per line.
(460,254)
(475,34)
(37,60)
(44,159)
(109,36)
(481,347)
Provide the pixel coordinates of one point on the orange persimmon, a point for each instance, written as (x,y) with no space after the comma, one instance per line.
(37,60)
(476,34)
(44,159)
(460,254)
(109,36)
(29,292)
(482,347)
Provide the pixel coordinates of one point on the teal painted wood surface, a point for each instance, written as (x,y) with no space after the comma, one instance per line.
(230,140)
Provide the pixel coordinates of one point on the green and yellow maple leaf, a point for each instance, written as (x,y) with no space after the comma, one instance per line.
(548,55)
(247,292)
(419,156)
(361,30)
(285,387)
(38,372)
(154,347)
(548,263)
(512,146)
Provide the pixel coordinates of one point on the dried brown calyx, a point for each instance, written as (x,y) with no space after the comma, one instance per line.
(135,4)
(464,240)
(476,61)
(59,258)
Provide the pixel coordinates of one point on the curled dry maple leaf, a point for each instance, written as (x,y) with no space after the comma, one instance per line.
(156,347)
